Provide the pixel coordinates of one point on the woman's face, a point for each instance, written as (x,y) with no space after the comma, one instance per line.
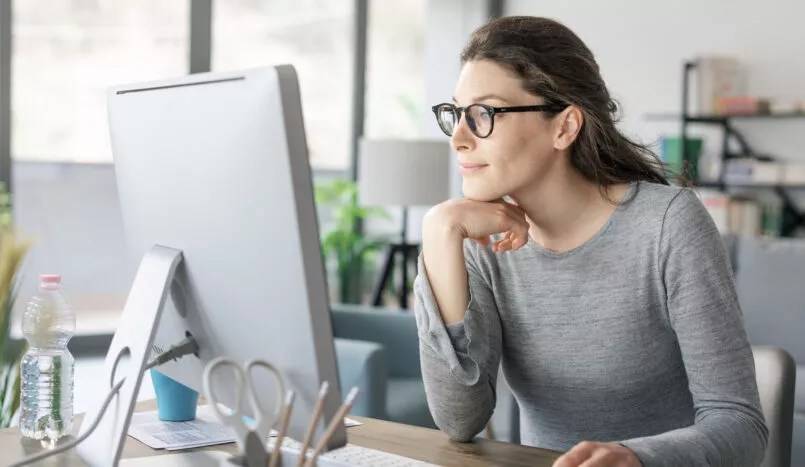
(521,149)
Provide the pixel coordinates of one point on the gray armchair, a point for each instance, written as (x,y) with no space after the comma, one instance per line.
(363,364)
(398,391)
(769,280)
(775,382)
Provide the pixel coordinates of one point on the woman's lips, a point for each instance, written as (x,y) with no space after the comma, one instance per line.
(466,168)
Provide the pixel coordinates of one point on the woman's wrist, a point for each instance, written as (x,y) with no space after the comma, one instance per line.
(439,225)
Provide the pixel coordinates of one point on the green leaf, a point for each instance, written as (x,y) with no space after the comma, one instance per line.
(351,250)
(5,327)
(5,400)
(10,409)
(4,386)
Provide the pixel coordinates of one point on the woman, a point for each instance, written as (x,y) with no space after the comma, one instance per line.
(605,293)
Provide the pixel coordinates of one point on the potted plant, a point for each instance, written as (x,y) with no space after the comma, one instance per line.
(12,253)
(344,246)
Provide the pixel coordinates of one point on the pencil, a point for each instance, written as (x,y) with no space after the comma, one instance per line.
(286,417)
(314,420)
(337,420)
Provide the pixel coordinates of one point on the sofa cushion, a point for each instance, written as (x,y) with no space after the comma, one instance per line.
(393,329)
(407,402)
(731,245)
(798,441)
(772,297)
(364,365)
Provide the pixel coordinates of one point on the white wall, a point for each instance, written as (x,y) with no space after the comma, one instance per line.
(641,46)
(449,25)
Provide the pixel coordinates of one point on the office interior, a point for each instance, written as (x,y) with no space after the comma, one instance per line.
(372,69)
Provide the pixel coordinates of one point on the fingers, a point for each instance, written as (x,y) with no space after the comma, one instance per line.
(483,241)
(520,233)
(513,222)
(510,241)
(504,243)
(603,458)
(574,458)
(520,227)
(591,454)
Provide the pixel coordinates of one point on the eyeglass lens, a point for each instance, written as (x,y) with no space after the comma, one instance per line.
(479,119)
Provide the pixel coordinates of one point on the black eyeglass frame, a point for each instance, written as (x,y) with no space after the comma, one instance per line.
(458,111)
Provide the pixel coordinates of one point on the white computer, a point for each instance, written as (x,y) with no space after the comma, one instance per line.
(217,200)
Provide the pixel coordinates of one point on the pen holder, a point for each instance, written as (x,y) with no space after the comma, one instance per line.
(175,401)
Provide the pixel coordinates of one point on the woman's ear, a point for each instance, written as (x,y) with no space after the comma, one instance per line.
(568,125)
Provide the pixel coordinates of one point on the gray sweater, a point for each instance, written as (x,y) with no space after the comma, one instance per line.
(636,336)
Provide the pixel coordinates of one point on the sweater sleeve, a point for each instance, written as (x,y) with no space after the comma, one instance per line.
(729,428)
(459,361)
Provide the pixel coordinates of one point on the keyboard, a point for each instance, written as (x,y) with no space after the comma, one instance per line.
(351,455)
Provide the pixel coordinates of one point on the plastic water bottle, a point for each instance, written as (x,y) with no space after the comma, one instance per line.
(47,367)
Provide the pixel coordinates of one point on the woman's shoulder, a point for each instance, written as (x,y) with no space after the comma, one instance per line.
(672,206)
(655,195)
(657,201)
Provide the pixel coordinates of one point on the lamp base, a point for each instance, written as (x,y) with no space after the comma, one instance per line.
(408,253)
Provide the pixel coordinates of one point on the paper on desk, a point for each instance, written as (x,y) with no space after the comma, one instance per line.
(205,430)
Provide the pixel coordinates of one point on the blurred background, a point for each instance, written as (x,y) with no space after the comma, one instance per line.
(371,69)
(65,53)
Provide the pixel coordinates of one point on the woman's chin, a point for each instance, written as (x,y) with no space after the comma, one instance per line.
(476,193)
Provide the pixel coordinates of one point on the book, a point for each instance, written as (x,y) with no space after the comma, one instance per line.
(744,217)
(717,204)
(752,171)
(718,77)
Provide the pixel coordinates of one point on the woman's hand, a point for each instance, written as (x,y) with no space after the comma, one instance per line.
(590,454)
(478,220)
(443,232)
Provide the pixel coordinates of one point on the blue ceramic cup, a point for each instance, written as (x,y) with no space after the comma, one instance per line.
(175,401)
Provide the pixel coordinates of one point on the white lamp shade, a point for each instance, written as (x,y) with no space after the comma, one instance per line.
(403,172)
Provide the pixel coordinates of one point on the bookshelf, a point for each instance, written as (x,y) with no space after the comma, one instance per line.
(748,186)
(721,119)
(793,217)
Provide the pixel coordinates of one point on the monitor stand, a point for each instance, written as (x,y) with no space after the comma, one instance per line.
(129,351)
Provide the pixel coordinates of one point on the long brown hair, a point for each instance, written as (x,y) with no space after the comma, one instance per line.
(556,65)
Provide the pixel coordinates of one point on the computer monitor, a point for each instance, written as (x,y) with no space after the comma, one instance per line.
(215,166)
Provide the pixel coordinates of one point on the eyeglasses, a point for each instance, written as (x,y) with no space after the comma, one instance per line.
(481,117)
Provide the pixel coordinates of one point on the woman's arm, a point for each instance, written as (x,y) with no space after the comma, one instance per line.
(729,428)
(444,267)
(458,322)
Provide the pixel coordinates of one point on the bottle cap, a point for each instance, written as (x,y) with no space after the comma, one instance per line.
(50,281)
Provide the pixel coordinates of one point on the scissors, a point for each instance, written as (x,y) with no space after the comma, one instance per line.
(250,440)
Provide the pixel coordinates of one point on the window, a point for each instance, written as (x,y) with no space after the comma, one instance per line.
(316,36)
(68,52)
(395,75)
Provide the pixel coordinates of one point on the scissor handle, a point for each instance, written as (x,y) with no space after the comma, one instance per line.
(263,422)
(234,419)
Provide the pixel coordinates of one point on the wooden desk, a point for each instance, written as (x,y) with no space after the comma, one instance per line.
(417,443)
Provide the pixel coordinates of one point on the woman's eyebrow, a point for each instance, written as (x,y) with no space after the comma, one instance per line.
(485,97)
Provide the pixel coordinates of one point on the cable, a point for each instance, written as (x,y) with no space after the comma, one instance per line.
(67,446)
(185,347)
